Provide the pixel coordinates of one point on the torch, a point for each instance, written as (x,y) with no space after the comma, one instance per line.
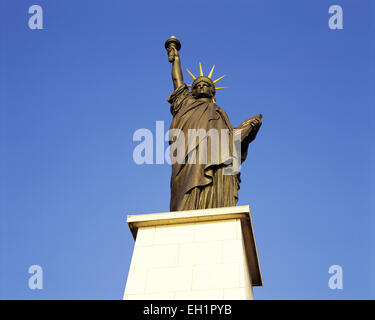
(172,42)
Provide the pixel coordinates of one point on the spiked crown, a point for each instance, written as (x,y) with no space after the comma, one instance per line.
(204,78)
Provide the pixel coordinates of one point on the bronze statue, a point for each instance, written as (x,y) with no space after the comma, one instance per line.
(202,185)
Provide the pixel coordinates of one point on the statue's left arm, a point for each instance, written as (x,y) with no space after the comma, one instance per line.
(249,129)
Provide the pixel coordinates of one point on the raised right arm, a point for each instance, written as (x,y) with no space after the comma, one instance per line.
(177,76)
(173,45)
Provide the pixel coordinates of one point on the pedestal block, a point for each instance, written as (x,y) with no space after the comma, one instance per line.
(198,254)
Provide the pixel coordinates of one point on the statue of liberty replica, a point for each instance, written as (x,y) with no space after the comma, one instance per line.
(204,184)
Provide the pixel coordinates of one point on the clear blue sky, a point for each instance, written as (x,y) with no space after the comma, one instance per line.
(73,94)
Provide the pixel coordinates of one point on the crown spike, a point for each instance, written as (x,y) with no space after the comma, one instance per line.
(220,88)
(212,70)
(191,75)
(200,70)
(217,80)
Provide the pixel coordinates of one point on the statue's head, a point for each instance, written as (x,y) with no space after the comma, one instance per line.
(204,87)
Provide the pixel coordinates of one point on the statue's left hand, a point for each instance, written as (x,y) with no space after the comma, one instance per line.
(255,122)
(250,125)
(251,122)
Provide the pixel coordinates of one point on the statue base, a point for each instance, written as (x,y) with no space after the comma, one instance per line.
(190,255)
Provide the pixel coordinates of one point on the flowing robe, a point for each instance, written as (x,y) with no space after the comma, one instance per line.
(201,185)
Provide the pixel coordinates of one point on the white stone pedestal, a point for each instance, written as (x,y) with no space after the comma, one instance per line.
(198,254)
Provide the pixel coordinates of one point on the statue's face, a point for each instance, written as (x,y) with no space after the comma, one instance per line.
(202,89)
